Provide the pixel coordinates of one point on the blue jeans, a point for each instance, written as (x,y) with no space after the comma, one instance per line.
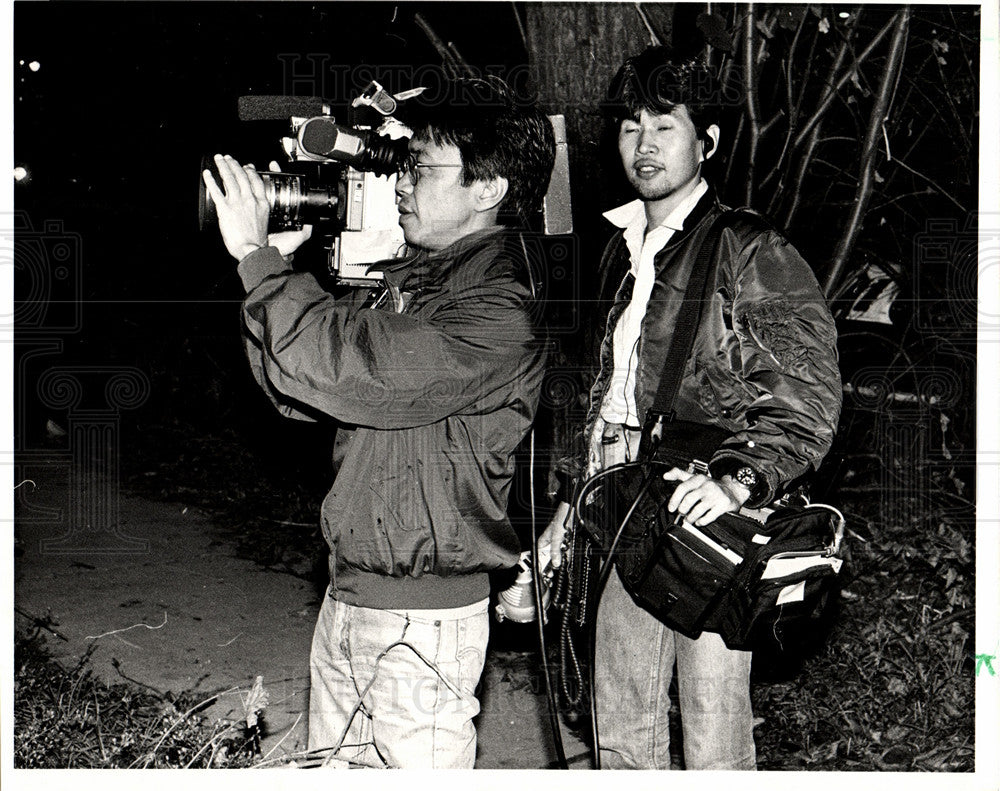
(417,712)
(634,665)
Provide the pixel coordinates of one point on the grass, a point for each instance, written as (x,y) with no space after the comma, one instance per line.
(65,718)
(892,686)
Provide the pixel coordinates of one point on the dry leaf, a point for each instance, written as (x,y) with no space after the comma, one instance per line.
(255,702)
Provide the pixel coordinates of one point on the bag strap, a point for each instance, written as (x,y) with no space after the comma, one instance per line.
(682,341)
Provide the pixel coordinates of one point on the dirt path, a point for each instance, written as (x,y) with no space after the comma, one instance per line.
(166,600)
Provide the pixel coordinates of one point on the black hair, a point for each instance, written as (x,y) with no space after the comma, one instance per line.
(496,134)
(659,80)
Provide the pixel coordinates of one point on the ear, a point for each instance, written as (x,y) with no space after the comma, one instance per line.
(709,148)
(491,194)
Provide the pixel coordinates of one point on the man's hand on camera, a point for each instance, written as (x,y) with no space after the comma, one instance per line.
(243,209)
(700,499)
(241,205)
(551,540)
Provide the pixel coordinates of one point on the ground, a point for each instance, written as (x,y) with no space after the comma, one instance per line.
(183,613)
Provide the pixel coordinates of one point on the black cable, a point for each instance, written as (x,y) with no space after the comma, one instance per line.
(549,691)
(602,580)
(536,578)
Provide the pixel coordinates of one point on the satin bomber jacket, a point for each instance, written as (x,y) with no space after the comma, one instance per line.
(764,362)
(440,379)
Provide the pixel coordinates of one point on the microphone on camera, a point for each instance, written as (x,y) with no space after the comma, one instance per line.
(323,137)
(364,149)
(272,108)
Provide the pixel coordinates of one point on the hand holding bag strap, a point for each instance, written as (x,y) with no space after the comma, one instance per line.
(682,340)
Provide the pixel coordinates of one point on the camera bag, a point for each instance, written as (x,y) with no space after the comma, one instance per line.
(729,576)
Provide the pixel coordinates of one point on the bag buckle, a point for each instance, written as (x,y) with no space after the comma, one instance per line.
(697,466)
(652,430)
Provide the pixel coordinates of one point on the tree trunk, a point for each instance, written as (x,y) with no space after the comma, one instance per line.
(873,137)
(574,50)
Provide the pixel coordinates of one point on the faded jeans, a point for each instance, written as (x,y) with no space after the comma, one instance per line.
(635,658)
(415,714)
(633,669)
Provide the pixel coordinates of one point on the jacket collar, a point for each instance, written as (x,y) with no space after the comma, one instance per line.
(706,205)
(625,215)
(423,268)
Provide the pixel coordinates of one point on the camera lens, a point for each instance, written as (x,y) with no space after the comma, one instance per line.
(293,201)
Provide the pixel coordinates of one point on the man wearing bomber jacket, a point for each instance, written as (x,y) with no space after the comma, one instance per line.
(763,368)
(439,379)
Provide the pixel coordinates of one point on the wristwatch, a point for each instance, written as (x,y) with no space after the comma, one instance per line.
(746,475)
(743,474)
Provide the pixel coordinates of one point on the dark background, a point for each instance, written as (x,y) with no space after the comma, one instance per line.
(112,272)
(111,130)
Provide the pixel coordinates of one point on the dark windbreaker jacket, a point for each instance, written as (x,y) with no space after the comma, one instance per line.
(440,380)
(764,362)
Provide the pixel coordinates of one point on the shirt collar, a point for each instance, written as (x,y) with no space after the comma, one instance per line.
(632,215)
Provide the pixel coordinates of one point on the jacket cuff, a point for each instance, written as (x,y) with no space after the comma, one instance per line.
(259,264)
(764,493)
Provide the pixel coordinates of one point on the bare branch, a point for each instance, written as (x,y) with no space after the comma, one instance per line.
(778,171)
(840,172)
(879,113)
(772,122)
(447,57)
(925,191)
(805,161)
(934,107)
(752,114)
(728,59)
(520,27)
(959,120)
(838,139)
(653,38)
(937,187)
(736,142)
(973,72)
(841,82)
(790,62)
(807,70)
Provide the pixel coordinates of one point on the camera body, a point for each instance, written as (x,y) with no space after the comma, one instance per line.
(366,224)
(371,227)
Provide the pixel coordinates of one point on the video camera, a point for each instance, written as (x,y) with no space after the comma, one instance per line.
(351,197)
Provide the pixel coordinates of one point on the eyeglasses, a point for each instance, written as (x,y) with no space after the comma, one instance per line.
(411,167)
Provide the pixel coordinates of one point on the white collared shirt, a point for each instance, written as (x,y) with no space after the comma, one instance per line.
(619,401)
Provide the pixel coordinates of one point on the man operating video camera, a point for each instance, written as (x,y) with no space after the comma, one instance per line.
(438,377)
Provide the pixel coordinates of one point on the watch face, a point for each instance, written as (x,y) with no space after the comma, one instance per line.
(746,476)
